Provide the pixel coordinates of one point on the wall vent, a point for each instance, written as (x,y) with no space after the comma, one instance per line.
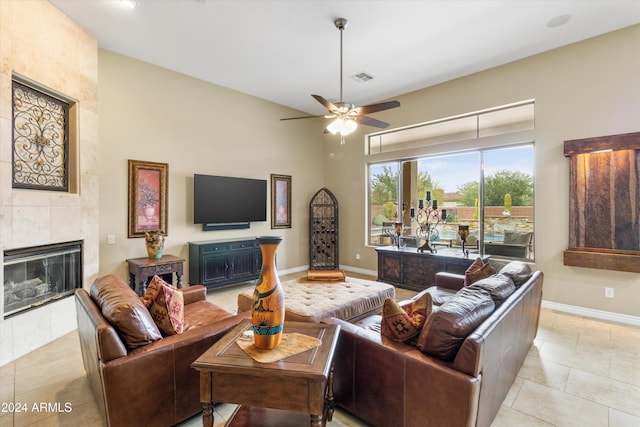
(362,77)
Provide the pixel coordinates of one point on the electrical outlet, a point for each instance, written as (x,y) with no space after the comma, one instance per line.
(111,239)
(357,256)
(608,292)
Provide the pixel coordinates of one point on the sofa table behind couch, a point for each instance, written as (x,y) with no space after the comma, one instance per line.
(407,268)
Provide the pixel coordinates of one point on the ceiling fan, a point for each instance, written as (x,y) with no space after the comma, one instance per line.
(347,116)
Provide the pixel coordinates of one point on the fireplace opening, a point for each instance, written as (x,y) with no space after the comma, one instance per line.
(39,275)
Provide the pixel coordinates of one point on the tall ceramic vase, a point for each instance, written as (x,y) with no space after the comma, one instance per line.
(267,314)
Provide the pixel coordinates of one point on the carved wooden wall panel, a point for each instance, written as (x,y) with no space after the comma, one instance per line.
(604,207)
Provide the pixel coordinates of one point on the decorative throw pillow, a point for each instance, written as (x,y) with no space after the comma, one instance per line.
(152,290)
(167,310)
(476,271)
(403,323)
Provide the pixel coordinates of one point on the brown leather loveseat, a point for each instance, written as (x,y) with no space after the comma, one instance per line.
(138,376)
(390,383)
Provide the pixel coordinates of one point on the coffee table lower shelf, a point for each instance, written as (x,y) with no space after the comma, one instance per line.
(245,416)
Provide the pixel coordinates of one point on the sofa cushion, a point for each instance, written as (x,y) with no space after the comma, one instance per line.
(121,307)
(518,271)
(403,323)
(167,310)
(476,271)
(499,286)
(446,328)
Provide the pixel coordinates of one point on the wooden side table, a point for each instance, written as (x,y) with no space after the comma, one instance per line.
(301,383)
(141,269)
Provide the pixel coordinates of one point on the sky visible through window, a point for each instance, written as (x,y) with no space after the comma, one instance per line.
(454,170)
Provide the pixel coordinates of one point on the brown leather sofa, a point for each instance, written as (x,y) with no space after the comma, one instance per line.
(138,376)
(389,383)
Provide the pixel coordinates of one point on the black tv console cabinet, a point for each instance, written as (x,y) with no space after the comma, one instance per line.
(410,269)
(219,263)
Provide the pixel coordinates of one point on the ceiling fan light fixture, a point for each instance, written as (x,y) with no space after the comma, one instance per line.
(347,116)
(342,126)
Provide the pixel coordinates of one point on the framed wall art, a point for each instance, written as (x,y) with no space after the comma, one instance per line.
(147,197)
(280,201)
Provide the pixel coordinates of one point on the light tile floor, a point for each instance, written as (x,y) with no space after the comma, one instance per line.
(579,372)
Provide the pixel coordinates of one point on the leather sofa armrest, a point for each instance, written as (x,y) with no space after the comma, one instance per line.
(99,341)
(194,293)
(355,330)
(414,298)
(451,281)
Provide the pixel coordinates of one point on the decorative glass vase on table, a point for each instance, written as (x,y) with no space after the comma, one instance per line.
(463,232)
(398,230)
(267,315)
(155,243)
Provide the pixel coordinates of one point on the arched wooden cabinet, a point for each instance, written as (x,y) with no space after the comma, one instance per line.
(323,231)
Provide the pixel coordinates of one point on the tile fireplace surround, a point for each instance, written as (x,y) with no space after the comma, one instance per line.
(36,38)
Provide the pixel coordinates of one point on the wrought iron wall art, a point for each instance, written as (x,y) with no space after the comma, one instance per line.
(323,231)
(40,140)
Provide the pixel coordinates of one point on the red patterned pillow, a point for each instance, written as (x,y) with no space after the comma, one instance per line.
(403,323)
(477,271)
(167,310)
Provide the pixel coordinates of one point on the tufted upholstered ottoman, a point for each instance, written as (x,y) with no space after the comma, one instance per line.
(312,301)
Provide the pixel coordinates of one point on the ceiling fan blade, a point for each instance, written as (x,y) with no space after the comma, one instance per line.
(301,117)
(368,121)
(329,106)
(374,108)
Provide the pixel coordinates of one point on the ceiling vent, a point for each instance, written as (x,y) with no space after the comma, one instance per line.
(362,77)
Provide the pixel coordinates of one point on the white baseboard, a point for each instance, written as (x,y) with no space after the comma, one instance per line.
(293,270)
(589,312)
(360,270)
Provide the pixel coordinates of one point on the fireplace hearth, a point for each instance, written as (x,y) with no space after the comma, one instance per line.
(39,275)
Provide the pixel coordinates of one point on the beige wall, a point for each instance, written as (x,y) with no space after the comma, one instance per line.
(152,114)
(587,89)
(39,42)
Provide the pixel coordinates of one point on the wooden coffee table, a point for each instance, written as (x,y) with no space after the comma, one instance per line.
(299,383)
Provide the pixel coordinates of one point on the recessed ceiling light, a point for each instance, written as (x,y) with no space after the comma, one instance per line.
(129,3)
(558,21)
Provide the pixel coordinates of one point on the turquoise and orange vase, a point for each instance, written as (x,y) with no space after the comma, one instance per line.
(267,314)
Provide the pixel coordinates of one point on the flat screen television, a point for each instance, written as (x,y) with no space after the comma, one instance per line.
(228,200)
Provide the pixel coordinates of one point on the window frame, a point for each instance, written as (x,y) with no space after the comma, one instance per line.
(480,145)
